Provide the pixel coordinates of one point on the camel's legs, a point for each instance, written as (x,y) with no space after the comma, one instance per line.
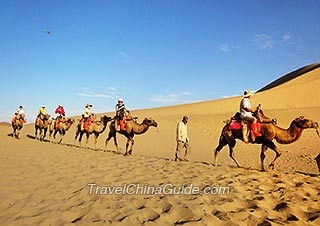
(231,143)
(44,133)
(263,155)
(87,140)
(127,146)
(80,138)
(273,147)
(95,140)
(62,133)
(222,142)
(116,142)
(50,134)
(231,154)
(36,133)
(40,134)
(131,146)
(55,133)
(76,136)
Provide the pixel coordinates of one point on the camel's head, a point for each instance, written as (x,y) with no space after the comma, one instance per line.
(71,121)
(46,117)
(105,119)
(304,123)
(150,122)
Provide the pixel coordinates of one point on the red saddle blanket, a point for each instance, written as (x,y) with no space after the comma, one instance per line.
(86,123)
(236,125)
(122,124)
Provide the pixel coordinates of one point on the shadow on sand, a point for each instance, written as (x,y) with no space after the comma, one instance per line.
(34,138)
(10,135)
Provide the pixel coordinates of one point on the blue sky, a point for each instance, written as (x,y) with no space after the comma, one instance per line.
(149,52)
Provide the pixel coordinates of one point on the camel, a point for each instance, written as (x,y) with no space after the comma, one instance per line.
(132,128)
(269,132)
(42,124)
(96,127)
(17,124)
(62,128)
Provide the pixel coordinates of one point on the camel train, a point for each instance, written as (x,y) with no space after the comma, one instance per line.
(229,134)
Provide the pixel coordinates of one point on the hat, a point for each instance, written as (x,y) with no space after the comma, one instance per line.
(43,106)
(120,100)
(20,107)
(247,93)
(185,117)
(60,105)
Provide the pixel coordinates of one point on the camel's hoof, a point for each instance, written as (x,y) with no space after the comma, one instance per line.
(263,170)
(271,166)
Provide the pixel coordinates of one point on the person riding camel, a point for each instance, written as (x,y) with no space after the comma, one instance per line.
(42,114)
(87,116)
(246,115)
(42,111)
(19,114)
(121,112)
(59,114)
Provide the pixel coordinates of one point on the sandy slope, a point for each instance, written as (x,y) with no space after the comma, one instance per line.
(44,183)
(285,102)
(47,184)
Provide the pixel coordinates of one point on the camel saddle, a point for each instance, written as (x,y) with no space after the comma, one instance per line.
(236,123)
(122,124)
(87,124)
(57,122)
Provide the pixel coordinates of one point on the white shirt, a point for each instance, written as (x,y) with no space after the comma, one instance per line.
(182,132)
(244,104)
(87,112)
(20,111)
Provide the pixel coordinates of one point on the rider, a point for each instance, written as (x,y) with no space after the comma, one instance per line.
(246,114)
(59,113)
(20,112)
(87,115)
(120,113)
(42,111)
(42,114)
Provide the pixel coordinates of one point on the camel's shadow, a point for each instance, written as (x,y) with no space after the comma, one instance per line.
(34,138)
(10,135)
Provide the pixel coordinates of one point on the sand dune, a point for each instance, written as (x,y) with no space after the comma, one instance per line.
(44,183)
(47,184)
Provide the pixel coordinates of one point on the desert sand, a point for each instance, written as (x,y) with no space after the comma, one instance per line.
(45,183)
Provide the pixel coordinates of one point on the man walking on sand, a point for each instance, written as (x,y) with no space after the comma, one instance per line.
(182,140)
